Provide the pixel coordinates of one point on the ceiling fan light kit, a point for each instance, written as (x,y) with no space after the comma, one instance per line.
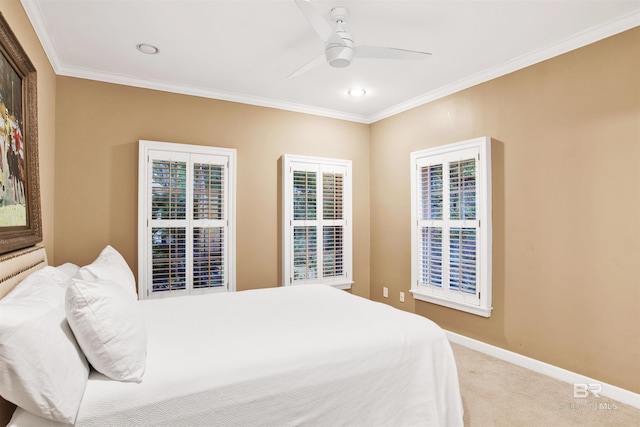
(339,56)
(340,48)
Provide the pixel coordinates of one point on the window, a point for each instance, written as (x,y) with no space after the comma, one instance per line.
(451,226)
(186,219)
(316,221)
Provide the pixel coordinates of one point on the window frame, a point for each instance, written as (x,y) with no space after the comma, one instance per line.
(481,302)
(182,151)
(318,165)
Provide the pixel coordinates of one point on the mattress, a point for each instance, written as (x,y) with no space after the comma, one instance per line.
(300,355)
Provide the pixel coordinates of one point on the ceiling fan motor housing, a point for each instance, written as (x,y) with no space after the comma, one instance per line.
(340,55)
(339,46)
(339,14)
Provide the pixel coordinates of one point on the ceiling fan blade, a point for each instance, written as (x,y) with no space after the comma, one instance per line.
(378,52)
(315,62)
(321,26)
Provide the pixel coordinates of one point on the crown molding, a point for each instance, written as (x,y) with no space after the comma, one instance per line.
(576,41)
(88,74)
(39,24)
(36,16)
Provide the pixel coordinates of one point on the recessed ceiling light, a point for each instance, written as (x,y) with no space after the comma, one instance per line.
(357,92)
(147,48)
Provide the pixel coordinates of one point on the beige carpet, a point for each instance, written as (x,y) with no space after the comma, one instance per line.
(498,393)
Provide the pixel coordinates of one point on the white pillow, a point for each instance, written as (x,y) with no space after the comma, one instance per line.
(110,265)
(109,328)
(41,367)
(68,269)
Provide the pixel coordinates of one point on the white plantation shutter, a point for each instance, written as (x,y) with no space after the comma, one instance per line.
(431,256)
(431,191)
(305,253)
(463,260)
(168,192)
(332,251)
(209,221)
(451,241)
(305,194)
(316,221)
(333,223)
(186,231)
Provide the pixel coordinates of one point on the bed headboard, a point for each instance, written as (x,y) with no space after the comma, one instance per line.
(15,266)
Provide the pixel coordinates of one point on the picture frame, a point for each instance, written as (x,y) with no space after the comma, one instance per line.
(20,217)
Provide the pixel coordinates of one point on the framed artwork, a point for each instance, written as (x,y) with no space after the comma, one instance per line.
(20,219)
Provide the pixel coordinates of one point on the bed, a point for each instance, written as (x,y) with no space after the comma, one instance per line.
(300,355)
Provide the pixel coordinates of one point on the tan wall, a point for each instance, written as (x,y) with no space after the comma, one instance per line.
(566,190)
(566,207)
(19,22)
(98,128)
(21,26)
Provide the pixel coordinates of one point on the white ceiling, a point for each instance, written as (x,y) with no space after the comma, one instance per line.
(243,51)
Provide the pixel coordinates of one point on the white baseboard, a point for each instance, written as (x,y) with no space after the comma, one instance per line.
(621,395)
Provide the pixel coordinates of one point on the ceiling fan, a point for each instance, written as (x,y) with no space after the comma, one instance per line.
(340,49)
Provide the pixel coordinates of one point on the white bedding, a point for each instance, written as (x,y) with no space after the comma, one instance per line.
(304,355)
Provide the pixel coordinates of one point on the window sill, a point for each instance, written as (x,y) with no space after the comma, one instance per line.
(338,285)
(345,286)
(457,305)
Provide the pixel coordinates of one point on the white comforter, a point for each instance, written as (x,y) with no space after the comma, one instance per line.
(304,355)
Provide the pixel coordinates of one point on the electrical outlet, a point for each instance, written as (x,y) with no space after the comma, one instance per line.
(401,296)
(385,292)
